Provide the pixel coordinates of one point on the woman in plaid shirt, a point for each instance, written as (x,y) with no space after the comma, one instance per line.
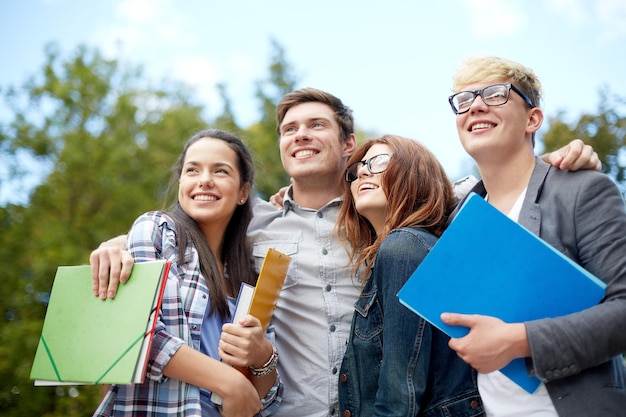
(195,346)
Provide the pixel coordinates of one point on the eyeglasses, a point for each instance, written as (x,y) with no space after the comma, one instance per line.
(492,95)
(376,164)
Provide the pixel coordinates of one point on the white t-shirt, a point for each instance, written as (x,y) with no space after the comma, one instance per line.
(503,397)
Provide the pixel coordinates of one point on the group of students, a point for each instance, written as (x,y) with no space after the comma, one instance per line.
(356,222)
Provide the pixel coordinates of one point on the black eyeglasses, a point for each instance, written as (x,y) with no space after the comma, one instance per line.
(376,164)
(492,95)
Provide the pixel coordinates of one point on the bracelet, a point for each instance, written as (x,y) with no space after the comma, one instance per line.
(269,366)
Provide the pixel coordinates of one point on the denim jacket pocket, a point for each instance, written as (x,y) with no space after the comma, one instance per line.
(469,404)
(369,318)
(285,243)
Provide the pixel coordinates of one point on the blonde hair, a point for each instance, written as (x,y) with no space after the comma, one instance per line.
(493,68)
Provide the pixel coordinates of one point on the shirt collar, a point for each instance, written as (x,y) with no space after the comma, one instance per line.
(290,204)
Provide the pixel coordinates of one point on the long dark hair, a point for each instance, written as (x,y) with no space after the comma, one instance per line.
(236,255)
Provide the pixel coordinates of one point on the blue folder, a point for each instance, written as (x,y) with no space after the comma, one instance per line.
(485,263)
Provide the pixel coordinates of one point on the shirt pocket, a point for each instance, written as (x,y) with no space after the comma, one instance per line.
(286,243)
(369,316)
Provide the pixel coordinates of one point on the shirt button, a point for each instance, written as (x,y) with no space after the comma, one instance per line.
(474,404)
(332,328)
(324,251)
(320,214)
(347,413)
(328,288)
(343,377)
(334,370)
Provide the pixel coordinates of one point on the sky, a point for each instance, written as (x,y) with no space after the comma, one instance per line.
(390,61)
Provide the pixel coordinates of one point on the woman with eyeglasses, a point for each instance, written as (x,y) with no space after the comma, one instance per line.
(396,203)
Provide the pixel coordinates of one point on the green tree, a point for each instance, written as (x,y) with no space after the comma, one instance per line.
(261,137)
(226,120)
(100,142)
(107,144)
(604,130)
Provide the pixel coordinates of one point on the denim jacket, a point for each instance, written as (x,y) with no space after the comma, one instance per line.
(397,364)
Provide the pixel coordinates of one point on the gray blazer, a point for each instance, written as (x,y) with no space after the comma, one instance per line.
(582,214)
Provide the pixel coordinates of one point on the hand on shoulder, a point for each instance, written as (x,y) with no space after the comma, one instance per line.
(111,265)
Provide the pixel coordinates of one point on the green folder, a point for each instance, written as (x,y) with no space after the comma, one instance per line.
(86,340)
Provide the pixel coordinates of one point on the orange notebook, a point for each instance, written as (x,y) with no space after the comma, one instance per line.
(260,301)
(268,286)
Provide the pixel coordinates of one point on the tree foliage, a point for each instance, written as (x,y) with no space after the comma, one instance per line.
(261,137)
(605,131)
(107,144)
(102,142)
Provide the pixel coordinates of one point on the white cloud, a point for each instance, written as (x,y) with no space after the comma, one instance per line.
(574,11)
(605,17)
(611,18)
(141,26)
(195,70)
(489,18)
(201,74)
(242,65)
(141,10)
(156,35)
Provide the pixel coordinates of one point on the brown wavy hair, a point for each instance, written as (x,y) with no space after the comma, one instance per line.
(418,192)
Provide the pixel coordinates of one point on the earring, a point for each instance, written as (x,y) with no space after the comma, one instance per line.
(242,201)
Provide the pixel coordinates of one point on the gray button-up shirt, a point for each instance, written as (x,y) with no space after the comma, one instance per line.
(313,315)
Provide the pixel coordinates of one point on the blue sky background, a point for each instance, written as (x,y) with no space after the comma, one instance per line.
(391,61)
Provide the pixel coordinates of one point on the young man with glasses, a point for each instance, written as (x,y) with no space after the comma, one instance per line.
(578,357)
(312,318)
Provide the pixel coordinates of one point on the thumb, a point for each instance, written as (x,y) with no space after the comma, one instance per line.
(455,319)
(556,158)
(249,321)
